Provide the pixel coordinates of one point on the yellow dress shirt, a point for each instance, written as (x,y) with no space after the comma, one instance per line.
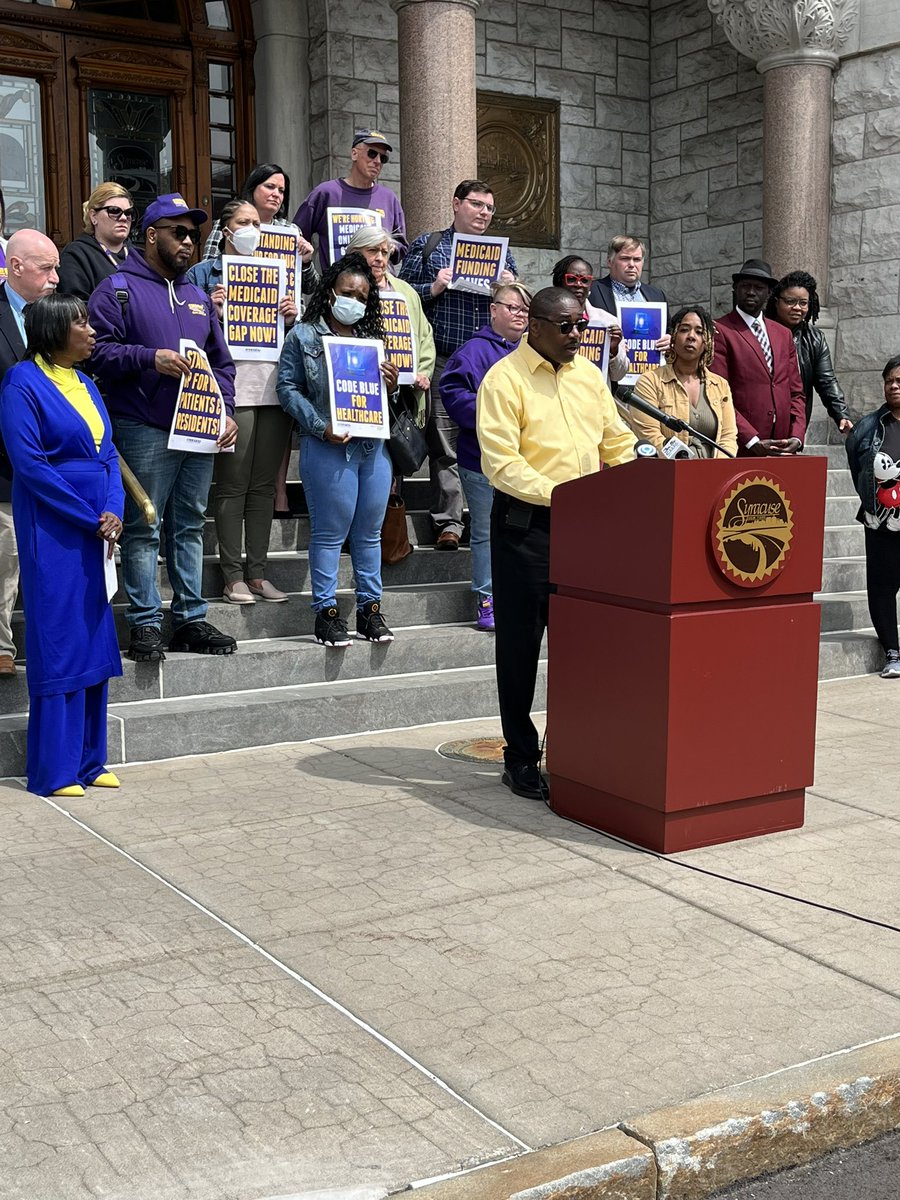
(66,379)
(538,426)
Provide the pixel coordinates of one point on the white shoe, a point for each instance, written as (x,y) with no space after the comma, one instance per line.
(238,593)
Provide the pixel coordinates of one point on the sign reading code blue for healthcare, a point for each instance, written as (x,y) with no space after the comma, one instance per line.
(358,395)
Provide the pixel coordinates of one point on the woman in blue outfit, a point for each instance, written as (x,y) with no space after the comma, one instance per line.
(346,479)
(67,506)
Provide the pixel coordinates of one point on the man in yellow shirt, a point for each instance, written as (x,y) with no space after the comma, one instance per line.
(544,416)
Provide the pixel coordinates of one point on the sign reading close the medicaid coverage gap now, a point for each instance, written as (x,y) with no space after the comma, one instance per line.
(254,288)
(280,241)
(643,324)
(359,403)
(342,223)
(595,345)
(199,418)
(476,262)
(399,343)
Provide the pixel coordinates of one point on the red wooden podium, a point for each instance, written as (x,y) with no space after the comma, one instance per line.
(684,648)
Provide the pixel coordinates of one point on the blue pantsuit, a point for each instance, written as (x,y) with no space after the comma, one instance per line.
(61,485)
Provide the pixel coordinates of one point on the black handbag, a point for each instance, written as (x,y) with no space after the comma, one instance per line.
(406,445)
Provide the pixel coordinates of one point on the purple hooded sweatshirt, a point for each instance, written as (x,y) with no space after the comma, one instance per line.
(159,313)
(312,215)
(460,382)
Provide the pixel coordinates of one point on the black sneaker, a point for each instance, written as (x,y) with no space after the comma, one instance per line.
(331,629)
(200,637)
(145,644)
(371,625)
(524,779)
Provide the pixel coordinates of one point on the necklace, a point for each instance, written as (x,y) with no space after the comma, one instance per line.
(113,258)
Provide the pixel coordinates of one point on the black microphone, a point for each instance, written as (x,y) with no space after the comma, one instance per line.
(644,449)
(629,397)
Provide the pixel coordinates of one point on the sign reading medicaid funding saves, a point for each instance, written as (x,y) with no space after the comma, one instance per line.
(643,324)
(254,288)
(359,403)
(476,262)
(399,342)
(342,223)
(199,418)
(595,345)
(280,241)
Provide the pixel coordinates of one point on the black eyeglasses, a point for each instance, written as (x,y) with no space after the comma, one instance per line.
(378,154)
(566,326)
(115,212)
(181,232)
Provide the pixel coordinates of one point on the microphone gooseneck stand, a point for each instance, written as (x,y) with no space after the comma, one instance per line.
(631,399)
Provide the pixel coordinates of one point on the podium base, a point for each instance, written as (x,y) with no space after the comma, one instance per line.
(683,829)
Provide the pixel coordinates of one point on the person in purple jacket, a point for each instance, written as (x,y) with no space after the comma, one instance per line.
(460,382)
(140,315)
(359,189)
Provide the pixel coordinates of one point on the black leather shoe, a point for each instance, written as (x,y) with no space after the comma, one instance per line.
(145,644)
(524,779)
(199,637)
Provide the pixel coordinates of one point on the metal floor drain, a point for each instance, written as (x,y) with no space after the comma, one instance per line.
(479,750)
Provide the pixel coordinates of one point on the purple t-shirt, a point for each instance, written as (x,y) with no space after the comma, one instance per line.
(312,215)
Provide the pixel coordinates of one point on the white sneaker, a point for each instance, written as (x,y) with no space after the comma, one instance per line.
(238,593)
(891,668)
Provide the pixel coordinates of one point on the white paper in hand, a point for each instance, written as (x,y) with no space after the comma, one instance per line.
(109,572)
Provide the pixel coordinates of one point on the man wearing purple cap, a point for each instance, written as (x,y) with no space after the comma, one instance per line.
(358,189)
(140,314)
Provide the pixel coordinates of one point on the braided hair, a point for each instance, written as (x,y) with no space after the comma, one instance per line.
(319,304)
(801,279)
(564,265)
(709,333)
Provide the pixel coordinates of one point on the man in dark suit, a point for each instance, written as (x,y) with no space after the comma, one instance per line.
(760,364)
(31,261)
(625,265)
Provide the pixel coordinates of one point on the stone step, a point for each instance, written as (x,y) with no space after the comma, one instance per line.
(842,655)
(844,611)
(836,455)
(844,541)
(157,729)
(839,483)
(293,533)
(844,575)
(841,510)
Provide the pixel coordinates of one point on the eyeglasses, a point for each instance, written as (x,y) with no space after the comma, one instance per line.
(115,212)
(566,326)
(378,154)
(793,303)
(481,205)
(182,232)
(514,310)
(574,280)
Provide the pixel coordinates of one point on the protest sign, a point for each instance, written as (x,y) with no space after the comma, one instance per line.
(254,288)
(342,223)
(476,262)
(358,395)
(399,342)
(199,417)
(643,324)
(280,241)
(595,345)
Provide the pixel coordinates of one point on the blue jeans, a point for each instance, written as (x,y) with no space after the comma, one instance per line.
(177,481)
(479,497)
(346,490)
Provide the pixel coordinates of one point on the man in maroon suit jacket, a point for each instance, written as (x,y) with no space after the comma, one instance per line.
(760,364)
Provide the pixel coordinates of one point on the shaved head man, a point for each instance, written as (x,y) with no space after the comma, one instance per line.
(31,263)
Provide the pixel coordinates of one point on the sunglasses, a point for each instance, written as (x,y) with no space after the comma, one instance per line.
(115,212)
(565,327)
(574,280)
(181,232)
(378,154)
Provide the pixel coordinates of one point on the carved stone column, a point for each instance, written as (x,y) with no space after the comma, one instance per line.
(436,51)
(794,44)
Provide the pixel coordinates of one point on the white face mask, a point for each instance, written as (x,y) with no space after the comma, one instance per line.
(245,239)
(347,311)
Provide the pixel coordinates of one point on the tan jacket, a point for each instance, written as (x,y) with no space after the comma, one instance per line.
(662,388)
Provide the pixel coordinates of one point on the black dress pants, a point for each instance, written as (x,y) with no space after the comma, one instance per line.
(520,570)
(883,583)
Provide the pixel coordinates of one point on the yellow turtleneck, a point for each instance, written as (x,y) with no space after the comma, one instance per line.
(66,379)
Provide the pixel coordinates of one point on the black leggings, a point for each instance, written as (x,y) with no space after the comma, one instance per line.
(883,583)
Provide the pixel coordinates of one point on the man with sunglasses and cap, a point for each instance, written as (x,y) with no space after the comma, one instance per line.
(140,315)
(544,416)
(759,360)
(359,188)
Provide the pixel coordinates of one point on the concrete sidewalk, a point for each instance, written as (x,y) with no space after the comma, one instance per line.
(356,962)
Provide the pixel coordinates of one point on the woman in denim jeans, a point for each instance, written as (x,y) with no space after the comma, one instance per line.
(346,479)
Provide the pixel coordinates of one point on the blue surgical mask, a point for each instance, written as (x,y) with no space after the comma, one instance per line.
(346,310)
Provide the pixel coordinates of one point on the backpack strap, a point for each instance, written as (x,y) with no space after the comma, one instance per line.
(431,244)
(120,283)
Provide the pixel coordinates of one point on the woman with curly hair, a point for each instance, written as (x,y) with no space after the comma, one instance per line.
(795,303)
(346,479)
(686,388)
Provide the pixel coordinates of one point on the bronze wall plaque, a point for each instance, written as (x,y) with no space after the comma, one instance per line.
(518,155)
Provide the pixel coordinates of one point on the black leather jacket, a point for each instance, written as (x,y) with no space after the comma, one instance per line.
(862,444)
(817,371)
